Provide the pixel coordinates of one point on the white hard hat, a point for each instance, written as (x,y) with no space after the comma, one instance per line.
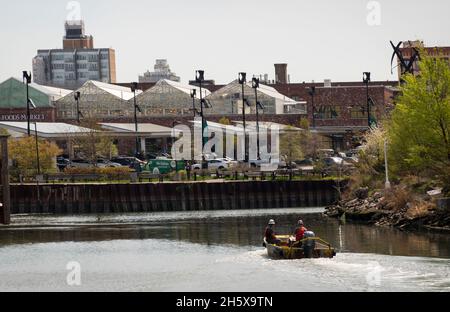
(271,222)
(300,222)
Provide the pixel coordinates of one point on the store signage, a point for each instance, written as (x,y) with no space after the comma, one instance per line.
(22,117)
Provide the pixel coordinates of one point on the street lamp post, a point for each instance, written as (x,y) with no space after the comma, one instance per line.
(77,96)
(134,87)
(27,80)
(366,80)
(255,85)
(200,78)
(312,93)
(242,81)
(37,149)
(193,95)
(388,183)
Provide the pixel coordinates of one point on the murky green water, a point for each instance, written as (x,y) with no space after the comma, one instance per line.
(214,251)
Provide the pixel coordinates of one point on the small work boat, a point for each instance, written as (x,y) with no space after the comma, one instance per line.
(311,247)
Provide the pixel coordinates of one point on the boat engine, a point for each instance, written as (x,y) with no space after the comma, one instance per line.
(309,245)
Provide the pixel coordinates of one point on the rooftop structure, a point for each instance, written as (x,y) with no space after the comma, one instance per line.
(162,71)
(75,37)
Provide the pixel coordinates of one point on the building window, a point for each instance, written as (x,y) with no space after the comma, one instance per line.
(358,112)
(328,112)
(58,66)
(93,58)
(69,67)
(93,67)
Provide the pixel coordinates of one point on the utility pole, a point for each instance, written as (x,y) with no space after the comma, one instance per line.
(312,93)
(366,80)
(134,87)
(5,209)
(243,80)
(199,78)
(388,183)
(255,85)
(77,96)
(27,80)
(193,95)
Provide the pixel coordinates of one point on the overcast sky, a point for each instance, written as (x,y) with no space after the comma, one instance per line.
(319,39)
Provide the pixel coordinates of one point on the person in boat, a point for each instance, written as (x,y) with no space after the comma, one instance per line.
(299,233)
(270,234)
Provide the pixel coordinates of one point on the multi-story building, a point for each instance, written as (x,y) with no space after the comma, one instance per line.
(76,63)
(162,71)
(409,48)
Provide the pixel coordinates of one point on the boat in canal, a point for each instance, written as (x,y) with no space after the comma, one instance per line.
(288,249)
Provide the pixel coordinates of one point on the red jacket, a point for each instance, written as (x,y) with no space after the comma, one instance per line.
(300,232)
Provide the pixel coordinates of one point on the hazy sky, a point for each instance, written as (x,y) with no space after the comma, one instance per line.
(318,38)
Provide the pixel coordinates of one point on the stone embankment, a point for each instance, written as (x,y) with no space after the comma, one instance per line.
(385,209)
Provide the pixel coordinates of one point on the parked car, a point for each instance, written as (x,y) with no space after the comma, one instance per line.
(214,164)
(101,163)
(351,160)
(126,161)
(230,161)
(104,163)
(333,161)
(80,163)
(264,162)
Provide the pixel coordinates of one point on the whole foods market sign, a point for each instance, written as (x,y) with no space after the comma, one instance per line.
(22,117)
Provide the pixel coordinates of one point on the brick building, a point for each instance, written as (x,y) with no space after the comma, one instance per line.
(408,49)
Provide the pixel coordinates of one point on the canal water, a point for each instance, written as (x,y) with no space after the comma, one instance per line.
(213,251)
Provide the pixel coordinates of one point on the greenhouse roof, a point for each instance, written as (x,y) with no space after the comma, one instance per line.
(45,129)
(118,91)
(187,88)
(13,94)
(143,129)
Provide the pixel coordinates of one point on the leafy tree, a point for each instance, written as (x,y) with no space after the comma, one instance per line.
(419,129)
(291,145)
(94,144)
(225,121)
(23,154)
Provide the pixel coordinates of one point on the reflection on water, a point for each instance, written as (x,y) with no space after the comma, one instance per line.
(214,251)
(235,228)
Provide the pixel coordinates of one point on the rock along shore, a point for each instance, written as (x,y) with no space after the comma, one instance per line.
(377,210)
